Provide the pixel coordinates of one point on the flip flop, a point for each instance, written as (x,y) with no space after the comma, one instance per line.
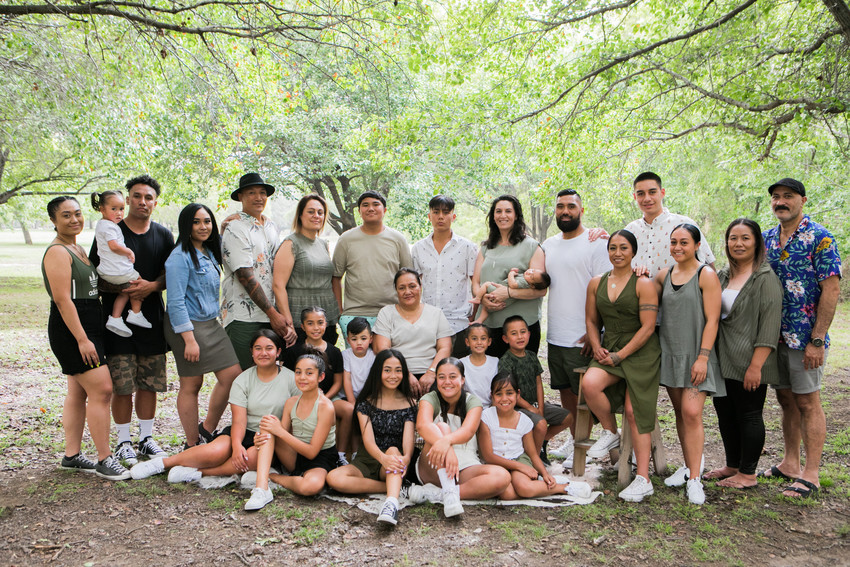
(740,486)
(775,473)
(810,491)
(715,475)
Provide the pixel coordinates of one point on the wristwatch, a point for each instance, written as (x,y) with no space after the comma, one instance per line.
(816,342)
(434,370)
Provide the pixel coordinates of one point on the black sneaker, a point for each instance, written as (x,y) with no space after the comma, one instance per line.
(545,458)
(205,436)
(111,468)
(150,449)
(124,452)
(78,463)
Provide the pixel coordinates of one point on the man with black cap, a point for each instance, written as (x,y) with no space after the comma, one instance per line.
(805,257)
(248,246)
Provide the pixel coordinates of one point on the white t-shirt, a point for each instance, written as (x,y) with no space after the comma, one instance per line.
(478,378)
(111,263)
(507,443)
(358,367)
(571,264)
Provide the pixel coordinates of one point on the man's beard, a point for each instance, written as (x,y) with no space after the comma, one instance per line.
(568,225)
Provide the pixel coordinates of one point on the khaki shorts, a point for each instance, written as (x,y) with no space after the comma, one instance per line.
(562,364)
(792,373)
(131,372)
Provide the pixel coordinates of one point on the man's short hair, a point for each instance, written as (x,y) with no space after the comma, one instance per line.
(371,195)
(568,193)
(645,176)
(143,180)
(441,203)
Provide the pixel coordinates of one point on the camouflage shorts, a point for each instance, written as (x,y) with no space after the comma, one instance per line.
(131,372)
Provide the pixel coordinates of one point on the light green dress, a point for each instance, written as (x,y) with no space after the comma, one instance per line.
(310,281)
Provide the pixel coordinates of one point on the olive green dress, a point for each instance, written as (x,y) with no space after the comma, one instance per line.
(641,370)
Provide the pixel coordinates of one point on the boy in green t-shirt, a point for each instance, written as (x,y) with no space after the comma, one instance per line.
(549,419)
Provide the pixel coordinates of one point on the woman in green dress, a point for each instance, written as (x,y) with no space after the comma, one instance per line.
(626,361)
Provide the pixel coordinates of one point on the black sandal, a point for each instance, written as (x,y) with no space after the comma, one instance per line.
(811,490)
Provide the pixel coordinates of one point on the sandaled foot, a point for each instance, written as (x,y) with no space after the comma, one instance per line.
(801,488)
(720,474)
(774,472)
(738,482)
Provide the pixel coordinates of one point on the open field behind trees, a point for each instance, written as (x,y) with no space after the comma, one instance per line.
(50,517)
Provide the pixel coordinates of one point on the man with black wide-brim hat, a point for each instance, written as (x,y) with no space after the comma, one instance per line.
(248,246)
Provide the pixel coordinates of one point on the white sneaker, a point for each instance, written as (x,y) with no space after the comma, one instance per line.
(424,493)
(637,490)
(451,502)
(678,478)
(605,443)
(138,320)
(259,498)
(696,495)
(579,489)
(147,468)
(117,326)
(183,474)
(565,451)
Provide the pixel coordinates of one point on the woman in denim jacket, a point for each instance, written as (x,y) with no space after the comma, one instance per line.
(200,345)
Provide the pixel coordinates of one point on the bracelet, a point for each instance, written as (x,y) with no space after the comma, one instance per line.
(509,292)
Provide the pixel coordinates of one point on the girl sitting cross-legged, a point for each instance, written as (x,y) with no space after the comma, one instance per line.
(302,439)
(505,439)
(260,390)
(386,411)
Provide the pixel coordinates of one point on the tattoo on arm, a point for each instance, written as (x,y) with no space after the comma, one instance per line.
(252,286)
(704,352)
(647,307)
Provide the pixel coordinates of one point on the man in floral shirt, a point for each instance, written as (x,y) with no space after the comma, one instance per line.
(248,246)
(805,257)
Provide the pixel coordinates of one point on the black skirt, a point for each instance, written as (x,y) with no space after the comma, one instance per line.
(64,344)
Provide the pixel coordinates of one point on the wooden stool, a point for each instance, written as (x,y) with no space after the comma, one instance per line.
(583,442)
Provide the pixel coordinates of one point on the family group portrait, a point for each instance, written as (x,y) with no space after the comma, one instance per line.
(424,283)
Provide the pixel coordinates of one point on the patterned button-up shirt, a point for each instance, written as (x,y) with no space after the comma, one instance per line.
(445,276)
(809,256)
(247,244)
(654,241)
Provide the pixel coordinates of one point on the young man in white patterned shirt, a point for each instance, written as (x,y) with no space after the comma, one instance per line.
(446,262)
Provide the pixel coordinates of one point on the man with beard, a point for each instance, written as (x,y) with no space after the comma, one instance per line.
(805,257)
(572,259)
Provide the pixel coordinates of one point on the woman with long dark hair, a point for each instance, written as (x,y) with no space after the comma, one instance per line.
(508,246)
(750,319)
(75,330)
(192,329)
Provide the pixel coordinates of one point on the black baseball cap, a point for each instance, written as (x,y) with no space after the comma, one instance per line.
(792,184)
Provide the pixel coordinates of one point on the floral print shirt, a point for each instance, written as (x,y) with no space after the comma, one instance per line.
(809,257)
(247,244)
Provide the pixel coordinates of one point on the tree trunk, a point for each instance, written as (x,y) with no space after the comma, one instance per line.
(25,230)
(841,13)
(540,222)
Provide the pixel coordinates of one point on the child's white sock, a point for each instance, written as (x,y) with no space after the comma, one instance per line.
(446,482)
(145,428)
(392,499)
(123,430)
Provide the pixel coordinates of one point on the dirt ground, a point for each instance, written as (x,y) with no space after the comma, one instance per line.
(53,517)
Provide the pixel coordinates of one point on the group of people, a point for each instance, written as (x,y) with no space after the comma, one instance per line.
(442,343)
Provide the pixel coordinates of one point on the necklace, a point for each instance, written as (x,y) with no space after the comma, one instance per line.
(614,283)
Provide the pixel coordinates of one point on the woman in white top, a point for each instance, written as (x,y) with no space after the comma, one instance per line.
(420,331)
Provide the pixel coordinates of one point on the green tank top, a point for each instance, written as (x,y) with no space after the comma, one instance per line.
(302,429)
(83,277)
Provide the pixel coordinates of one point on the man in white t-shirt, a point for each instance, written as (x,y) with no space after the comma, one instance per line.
(572,259)
(446,262)
(653,229)
(368,256)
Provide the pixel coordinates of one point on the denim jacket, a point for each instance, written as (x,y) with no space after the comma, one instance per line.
(192,292)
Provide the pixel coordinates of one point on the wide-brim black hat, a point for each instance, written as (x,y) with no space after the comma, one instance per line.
(790,183)
(251,180)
